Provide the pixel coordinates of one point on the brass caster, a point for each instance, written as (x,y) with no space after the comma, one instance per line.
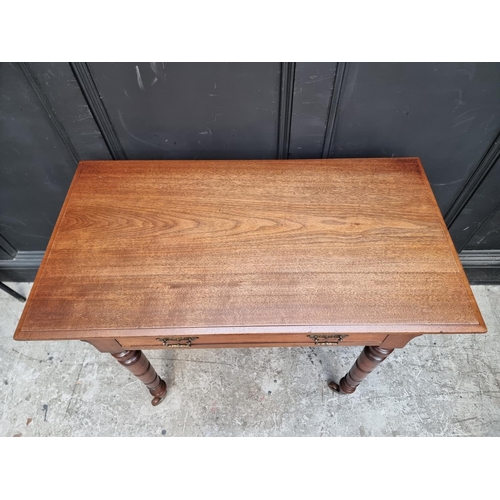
(156,401)
(334,387)
(159,392)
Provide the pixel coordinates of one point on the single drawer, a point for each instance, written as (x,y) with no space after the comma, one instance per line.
(250,340)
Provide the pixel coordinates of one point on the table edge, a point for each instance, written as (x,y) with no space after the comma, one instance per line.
(252,330)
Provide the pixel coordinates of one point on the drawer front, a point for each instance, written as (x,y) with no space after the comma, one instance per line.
(251,340)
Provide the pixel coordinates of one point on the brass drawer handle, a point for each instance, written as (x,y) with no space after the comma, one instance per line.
(188,340)
(317,341)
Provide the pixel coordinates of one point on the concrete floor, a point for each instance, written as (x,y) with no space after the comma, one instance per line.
(436,386)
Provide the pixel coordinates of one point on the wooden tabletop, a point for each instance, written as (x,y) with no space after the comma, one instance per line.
(243,247)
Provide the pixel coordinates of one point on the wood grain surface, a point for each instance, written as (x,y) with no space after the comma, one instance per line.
(249,247)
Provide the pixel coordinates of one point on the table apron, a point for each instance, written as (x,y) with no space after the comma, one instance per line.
(251,340)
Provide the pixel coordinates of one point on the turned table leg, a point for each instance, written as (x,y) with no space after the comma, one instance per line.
(367,361)
(137,363)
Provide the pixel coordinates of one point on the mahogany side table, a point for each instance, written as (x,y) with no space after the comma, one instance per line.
(216,254)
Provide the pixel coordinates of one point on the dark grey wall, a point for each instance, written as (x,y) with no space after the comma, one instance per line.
(36,167)
(447,113)
(54,114)
(189,111)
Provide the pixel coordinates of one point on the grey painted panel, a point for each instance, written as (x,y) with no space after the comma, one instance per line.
(192,110)
(23,268)
(488,236)
(478,209)
(448,114)
(483,275)
(311,101)
(63,92)
(35,166)
(7,251)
